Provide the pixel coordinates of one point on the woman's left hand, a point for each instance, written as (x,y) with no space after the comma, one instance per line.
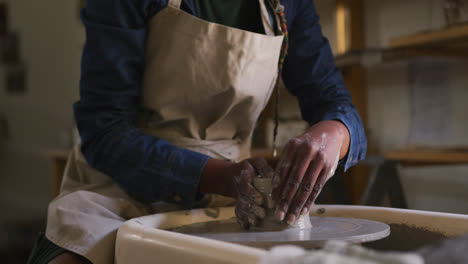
(307,162)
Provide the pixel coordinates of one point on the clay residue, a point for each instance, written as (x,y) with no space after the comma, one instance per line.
(224,226)
(402,237)
(322,230)
(406,238)
(231,226)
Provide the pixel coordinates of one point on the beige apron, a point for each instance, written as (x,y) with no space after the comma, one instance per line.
(205,85)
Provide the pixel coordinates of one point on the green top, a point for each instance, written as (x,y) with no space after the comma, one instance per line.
(242,14)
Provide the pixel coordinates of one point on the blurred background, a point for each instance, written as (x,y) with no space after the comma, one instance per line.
(405,63)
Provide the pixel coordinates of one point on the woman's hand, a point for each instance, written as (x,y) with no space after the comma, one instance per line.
(307,162)
(236,180)
(250,207)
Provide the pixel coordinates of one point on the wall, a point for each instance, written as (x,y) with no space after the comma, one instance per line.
(389,101)
(431,188)
(51,40)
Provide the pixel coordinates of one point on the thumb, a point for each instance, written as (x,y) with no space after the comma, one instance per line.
(262,167)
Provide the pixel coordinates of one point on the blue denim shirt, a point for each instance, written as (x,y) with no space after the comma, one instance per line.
(113,64)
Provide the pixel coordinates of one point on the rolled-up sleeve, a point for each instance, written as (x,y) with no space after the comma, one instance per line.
(311,75)
(113,62)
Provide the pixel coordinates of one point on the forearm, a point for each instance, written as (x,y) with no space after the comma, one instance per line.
(346,140)
(342,135)
(148,168)
(215,178)
(312,76)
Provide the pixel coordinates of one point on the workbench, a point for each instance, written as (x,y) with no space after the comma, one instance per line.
(386,178)
(59,159)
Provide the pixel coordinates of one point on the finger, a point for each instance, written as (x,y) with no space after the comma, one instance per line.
(244,224)
(318,186)
(249,208)
(245,187)
(252,220)
(262,167)
(242,218)
(245,176)
(294,179)
(253,195)
(305,190)
(282,169)
(248,214)
(247,221)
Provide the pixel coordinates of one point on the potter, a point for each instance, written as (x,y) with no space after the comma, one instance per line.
(171,92)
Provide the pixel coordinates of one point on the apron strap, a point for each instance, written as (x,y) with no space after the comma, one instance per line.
(174,3)
(267,19)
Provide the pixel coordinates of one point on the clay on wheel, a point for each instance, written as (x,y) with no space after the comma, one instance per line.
(269,223)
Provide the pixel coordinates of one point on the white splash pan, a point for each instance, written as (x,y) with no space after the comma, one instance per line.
(142,240)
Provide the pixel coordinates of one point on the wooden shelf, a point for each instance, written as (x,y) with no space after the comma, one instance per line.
(429,156)
(447,42)
(448,37)
(371,57)
(348,59)
(59,159)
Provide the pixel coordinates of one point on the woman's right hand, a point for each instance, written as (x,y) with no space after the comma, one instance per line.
(236,180)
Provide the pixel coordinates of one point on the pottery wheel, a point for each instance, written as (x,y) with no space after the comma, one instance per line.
(323,229)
